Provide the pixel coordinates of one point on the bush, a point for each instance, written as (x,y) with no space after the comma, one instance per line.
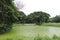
(4,28)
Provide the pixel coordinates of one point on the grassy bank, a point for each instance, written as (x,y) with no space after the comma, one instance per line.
(51,24)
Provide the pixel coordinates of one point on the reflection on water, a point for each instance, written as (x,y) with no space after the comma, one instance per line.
(54,31)
(43,31)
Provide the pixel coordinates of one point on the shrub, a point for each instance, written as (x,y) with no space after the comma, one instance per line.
(4,28)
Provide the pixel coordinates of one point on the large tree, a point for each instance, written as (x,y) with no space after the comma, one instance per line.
(39,17)
(8,15)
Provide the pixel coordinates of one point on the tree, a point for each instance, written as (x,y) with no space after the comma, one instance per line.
(39,17)
(56,19)
(29,19)
(21,17)
(8,15)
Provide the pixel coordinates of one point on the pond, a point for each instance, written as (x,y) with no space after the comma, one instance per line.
(32,31)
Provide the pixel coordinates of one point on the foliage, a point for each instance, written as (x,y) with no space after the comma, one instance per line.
(21,17)
(8,15)
(39,17)
(5,28)
(29,19)
(56,19)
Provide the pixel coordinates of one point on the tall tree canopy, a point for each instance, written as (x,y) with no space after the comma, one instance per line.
(39,17)
(8,15)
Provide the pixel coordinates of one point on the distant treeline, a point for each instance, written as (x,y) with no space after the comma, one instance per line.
(55,19)
(37,17)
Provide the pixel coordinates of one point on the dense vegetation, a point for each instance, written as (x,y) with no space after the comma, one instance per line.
(8,15)
(37,17)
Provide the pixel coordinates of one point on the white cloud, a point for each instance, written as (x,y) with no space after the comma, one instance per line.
(50,6)
(19,4)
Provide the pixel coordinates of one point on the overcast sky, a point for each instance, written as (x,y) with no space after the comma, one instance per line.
(50,6)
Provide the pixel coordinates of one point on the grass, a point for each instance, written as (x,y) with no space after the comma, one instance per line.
(47,38)
(51,24)
(29,32)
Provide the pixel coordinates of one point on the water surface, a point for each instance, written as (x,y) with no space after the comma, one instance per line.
(33,30)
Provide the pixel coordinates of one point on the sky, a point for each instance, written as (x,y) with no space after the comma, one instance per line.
(51,7)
